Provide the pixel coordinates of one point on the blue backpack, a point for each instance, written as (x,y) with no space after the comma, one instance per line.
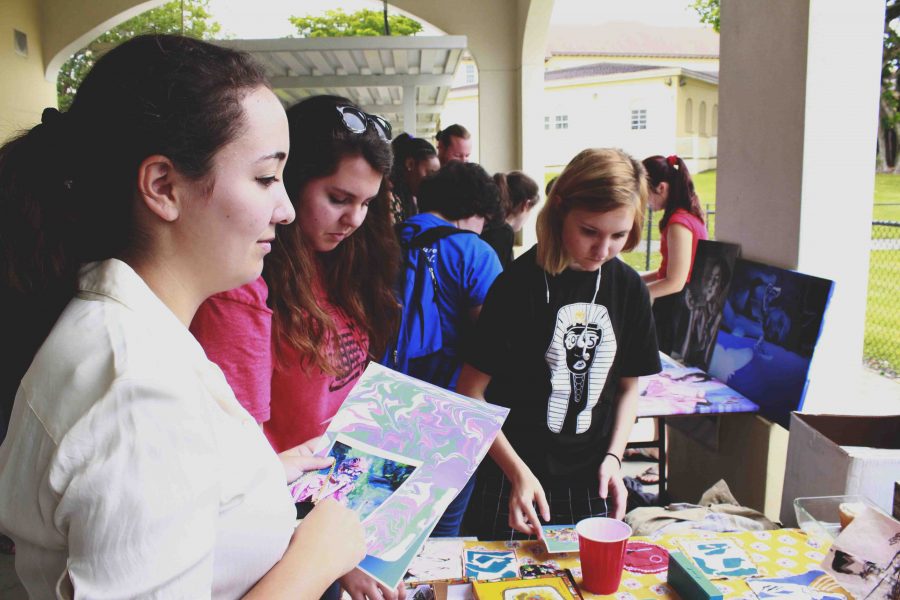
(418,350)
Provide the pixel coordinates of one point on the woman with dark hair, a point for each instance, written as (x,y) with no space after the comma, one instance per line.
(129,467)
(414,160)
(518,195)
(681,227)
(293,342)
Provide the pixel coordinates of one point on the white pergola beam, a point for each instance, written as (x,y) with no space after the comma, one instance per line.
(444,42)
(319,81)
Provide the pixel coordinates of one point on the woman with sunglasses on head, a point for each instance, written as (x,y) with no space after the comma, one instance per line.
(518,195)
(293,342)
(414,160)
(562,338)
(129,468)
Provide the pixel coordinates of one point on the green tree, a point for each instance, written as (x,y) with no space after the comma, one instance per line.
(708,11)
(889,106)
(337,23)
(190,18)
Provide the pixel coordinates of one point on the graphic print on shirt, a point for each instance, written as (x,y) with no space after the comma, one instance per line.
(580,355)
(351,358)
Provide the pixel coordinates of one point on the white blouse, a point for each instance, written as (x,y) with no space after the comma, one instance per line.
(129,469)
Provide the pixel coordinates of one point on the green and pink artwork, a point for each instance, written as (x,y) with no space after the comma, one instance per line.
(416,445)
(678,390)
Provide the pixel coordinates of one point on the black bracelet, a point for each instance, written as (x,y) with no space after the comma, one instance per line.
(618,460)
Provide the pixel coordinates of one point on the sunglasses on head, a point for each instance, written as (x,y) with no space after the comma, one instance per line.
(358,121)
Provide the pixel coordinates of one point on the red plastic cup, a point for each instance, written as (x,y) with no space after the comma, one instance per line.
(601,542)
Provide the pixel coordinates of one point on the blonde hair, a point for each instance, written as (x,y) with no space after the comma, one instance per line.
(598,180)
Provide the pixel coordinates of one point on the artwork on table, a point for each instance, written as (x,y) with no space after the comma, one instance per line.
(490,565)
(443,435)
(644,557)
(361,478)
(698,314)
(459,590)
(770,324)
(719,559)
(812,585)
(531,570)
(680,390)
(439,559)
(865,557)
(560,538)
(556,587)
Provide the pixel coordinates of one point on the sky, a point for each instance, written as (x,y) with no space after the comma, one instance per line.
(268,18)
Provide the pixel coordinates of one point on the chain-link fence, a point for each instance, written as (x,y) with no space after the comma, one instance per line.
(882,343)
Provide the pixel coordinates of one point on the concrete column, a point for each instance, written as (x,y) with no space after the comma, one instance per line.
(798,99)
(535,24)
(409,110)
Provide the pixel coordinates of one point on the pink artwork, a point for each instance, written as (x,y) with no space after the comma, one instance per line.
(678,390)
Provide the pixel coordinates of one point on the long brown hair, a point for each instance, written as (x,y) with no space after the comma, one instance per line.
(359,275)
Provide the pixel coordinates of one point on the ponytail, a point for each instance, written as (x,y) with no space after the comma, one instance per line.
(506,206)
(673,171)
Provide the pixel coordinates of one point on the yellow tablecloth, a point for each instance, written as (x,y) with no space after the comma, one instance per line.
(777,553)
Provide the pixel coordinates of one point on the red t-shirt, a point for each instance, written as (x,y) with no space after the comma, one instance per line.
(698,232)
(235,330)
(303,397)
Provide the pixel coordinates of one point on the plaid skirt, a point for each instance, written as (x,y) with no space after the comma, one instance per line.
(570,501)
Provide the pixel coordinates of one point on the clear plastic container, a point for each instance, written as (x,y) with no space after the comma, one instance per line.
(818,516)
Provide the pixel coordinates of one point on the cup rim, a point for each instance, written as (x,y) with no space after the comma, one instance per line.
(626,529)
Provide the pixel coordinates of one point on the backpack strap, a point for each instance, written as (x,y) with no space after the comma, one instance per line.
(430,236)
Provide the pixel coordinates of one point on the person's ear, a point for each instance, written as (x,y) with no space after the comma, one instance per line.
(158,186)
(409,163)
(663,189)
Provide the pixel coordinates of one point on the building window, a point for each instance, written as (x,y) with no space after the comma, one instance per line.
(639,118)
(547,122)
(702,118)
(715,120)
(561,122)
(470,73)
(689,116)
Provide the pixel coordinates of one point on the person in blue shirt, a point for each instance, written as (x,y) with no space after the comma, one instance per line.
(454,204)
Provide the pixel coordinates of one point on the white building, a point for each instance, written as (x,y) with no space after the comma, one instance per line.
(648,90)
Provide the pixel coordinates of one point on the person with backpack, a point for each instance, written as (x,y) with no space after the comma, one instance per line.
(447,272)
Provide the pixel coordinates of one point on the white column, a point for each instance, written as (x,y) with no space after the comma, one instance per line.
(409,110)
(535,24)
(798,100)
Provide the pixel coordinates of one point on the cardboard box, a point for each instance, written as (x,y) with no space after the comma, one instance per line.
(832,455)
(750,457)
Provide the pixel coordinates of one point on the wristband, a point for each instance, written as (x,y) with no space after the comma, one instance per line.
(618,460)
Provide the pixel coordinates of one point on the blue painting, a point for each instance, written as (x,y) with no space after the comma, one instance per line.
(771,321)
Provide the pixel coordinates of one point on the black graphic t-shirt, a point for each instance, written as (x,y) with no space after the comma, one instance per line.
(555,359)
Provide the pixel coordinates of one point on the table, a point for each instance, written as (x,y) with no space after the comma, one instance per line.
(776,553)
(679,391)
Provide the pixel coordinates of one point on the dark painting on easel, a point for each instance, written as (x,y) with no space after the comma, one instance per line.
(700,309)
